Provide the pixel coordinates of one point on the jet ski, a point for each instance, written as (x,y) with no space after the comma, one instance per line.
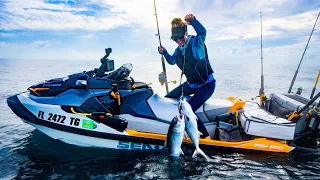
(107,108)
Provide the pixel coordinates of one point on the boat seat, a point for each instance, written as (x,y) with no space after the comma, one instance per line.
(207,112)
(163,108)
(213,108)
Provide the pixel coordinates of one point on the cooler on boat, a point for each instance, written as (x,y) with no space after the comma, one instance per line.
(257,122)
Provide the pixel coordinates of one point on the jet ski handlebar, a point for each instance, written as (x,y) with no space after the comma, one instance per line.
(122,73)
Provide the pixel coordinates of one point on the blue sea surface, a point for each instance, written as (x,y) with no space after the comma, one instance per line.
(26,153)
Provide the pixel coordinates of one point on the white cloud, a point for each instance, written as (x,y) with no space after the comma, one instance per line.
(43,43)
(88,36)
(225,22)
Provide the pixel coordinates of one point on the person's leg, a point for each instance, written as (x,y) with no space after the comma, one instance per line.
(176,93)
(201,95)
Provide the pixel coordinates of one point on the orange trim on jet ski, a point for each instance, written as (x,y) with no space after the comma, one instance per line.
(237,103)
(260,144)
(38,89)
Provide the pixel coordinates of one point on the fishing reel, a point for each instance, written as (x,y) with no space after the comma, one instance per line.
(162,79)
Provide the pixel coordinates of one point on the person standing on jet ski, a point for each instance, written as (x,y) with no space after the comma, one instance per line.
(192,58)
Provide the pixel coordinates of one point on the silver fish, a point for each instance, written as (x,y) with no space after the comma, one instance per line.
(191,126)
(175,136)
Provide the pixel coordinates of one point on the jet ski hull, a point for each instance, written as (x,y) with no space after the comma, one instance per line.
(135,140)
(105,137)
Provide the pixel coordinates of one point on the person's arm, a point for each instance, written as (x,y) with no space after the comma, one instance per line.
(170,59)
(200,37)
(199,28)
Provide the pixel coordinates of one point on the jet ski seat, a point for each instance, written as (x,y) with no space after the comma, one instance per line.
(158,104)
(213,108)
(207,112)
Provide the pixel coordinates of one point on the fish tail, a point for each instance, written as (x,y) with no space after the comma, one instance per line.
(199,151)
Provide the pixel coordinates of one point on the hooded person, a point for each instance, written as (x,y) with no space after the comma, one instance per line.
(192,58)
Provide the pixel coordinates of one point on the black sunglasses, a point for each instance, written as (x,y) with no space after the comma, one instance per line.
(175,38)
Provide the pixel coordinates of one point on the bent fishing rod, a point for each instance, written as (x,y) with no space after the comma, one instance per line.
(162,58)
(295,74)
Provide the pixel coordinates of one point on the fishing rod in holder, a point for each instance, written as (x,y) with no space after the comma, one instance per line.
(296,115)
(315,86)
(261,91)
(295,74)
(162,78)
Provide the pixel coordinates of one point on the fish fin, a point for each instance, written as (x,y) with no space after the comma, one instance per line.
(199,151)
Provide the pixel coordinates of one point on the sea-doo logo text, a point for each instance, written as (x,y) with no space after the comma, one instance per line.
(137,146)
(51,85)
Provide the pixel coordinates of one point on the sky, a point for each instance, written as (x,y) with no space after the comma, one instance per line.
(80,30)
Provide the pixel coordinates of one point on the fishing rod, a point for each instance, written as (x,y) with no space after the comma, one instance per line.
(296,115)
(162,58)
(315,85)
(261,91)
(295,74)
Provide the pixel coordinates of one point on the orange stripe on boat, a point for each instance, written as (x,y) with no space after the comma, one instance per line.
(38,89)
(261,144)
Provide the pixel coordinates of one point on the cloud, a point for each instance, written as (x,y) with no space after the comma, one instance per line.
(233,27)
(37,15)
(7,34)
(3,44)
(43,43)
(89,15)
(88,36)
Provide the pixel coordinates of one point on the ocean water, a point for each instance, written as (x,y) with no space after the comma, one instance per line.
(26,153)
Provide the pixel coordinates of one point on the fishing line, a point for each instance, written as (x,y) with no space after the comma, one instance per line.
(184,61)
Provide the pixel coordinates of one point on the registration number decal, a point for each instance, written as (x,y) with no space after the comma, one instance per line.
(61,119)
